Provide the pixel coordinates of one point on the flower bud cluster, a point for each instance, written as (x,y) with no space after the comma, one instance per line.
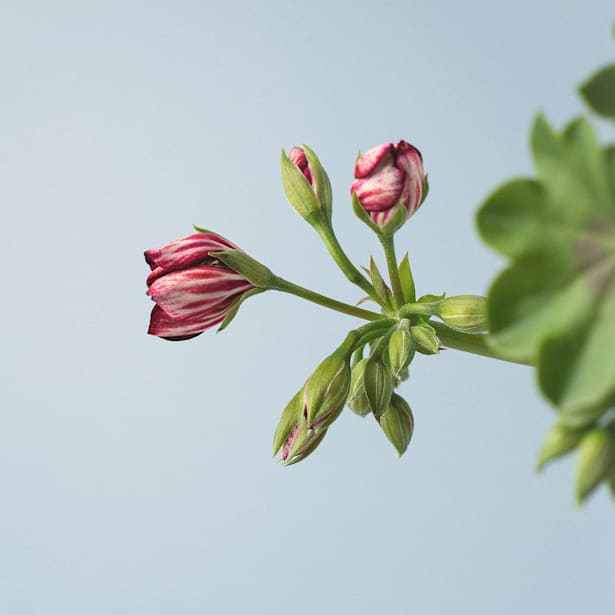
(200,281)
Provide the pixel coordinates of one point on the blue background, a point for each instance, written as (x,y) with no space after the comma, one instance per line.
(135,474)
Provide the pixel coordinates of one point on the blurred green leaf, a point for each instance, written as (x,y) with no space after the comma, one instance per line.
(599,91)
(555,302)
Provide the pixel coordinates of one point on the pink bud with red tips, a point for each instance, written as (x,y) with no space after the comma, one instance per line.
(192,289)
(390,184)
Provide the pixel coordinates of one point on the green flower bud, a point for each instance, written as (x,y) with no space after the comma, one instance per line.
(559,441)
(357,398)
(398,423)
(326,391)
(425,339)
(378,383)
(466,313)
(400,348)
(595,461)
(306,184)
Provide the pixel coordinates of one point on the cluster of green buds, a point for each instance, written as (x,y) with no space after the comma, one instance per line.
(365,372)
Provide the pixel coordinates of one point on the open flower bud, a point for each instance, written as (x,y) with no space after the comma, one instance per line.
(306,183)
(378,383)
(193,290)
(595,460)
(398,423)
(390,185)
(466,313)
(400,348)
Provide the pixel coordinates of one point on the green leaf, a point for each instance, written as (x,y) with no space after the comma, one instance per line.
(407,281)
(555,301)
(599,91)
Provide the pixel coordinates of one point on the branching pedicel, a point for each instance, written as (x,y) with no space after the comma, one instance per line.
(553,307)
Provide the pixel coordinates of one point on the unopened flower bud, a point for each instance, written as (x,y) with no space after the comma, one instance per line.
(425,339)
(326,390)
(398,423)
(595,460)
(559,441)
(400,348)
(466,313)
(390,185)
(378,383)
(306,184)
(357,398)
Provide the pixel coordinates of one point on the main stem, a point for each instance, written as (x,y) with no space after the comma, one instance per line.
(388,245)
(333,304)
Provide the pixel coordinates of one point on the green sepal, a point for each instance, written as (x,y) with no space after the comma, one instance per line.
(595,460)
(291,417)
(397,423)
(382,290)
(406,280)
(378,383)
(559,441)
(298,190)
(255,272)
(396,220)
(362,214)
(431,298)
(233,311)
(322,184)
(599,91)
(425,338)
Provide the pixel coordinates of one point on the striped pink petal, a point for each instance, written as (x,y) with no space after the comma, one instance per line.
(196,291)
(162,325)
(409,159)
(372,159)
(381,190)
(185,252)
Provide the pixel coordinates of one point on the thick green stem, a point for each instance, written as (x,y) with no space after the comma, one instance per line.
(388,245)
(475,343)
(305,293)
(343,262)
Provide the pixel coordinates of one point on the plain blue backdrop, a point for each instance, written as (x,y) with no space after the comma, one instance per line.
(135,474)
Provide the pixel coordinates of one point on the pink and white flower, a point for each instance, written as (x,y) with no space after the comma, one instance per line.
(386,175)
(193,290)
